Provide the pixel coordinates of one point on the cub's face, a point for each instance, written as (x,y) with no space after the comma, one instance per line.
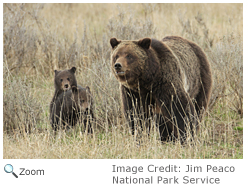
(127,61)
(65,80)
(84,99)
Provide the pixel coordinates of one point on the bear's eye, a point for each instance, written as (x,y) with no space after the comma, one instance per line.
(129,56)
(115,58)
(61,80)
(68,79)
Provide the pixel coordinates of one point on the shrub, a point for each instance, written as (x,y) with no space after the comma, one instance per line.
(21,111)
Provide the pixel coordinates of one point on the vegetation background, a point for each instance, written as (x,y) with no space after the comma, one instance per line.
(38,38)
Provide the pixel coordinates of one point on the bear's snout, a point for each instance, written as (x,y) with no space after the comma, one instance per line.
(119,71)
(66,86)
(117,66)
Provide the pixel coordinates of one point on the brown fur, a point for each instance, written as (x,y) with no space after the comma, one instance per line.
(172,76)
(72,106)
(63,81)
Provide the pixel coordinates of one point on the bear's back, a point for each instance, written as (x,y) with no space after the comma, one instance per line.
(188,61)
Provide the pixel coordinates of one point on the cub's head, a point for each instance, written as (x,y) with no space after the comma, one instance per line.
(65,80)
(128,60)
(83,99)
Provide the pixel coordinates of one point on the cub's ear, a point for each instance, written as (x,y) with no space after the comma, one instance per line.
(56,72)
(114,42)
(73,69)
(74,89)
(144,43)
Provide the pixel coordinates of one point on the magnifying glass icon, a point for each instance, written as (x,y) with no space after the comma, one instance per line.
(8,168)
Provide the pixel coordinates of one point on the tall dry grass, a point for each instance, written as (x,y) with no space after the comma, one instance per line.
(39,38)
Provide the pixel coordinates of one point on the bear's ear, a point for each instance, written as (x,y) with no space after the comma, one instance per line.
(56,72)
(114,42)
(74,89)
(73,69)
(144,43)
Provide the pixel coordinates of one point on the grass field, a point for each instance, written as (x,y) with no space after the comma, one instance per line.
(38,38)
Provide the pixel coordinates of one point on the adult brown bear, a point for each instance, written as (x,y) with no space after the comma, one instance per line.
(170,78)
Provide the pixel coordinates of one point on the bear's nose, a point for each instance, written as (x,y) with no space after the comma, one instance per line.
(66,85)
(117,66)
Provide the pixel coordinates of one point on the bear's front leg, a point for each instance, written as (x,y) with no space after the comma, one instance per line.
(131,106)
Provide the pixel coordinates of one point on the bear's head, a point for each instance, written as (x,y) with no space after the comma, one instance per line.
(83,98)
(65,80)
(128,59)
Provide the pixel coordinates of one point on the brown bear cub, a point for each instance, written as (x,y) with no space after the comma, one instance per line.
(73,106)
(63,81)
(170,78)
